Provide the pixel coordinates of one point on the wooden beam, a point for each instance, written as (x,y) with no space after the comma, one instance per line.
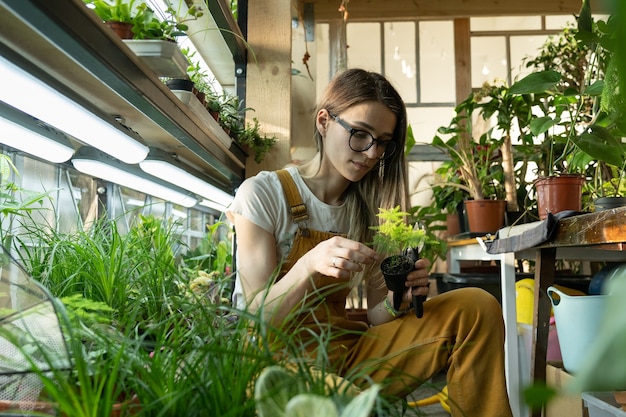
(462,58)
(327,10)
(269,76)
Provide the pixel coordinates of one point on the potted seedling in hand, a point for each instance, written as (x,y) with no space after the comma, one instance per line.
(402,243)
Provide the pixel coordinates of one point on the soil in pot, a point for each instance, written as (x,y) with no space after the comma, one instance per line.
(555,194)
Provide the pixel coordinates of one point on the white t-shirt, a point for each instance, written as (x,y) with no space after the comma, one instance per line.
(261,200)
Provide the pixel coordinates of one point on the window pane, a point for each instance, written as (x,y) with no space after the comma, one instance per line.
(489,61)
(364,46)
(436,69)
(505,23)
(400,66)
(426,120)
(559,22)
(524,47)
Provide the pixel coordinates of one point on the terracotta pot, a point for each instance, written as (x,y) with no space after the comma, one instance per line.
(121,29)
(453,225)
(620,398)
(555,194)
(485,216)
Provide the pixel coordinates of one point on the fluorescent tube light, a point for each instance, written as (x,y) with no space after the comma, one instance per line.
(20,131)
(215,206)
(34,97)
(92,162)
(166,167)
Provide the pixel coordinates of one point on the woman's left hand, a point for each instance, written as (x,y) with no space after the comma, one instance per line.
(418,279)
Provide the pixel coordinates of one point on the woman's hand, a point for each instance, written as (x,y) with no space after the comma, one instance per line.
(418,279)
(338,257)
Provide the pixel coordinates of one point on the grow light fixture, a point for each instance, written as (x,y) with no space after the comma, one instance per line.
(164,166)
(25,133)
(34,97)
(95,163)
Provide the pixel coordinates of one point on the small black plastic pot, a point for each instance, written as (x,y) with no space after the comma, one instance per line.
(395,269)
(180,84)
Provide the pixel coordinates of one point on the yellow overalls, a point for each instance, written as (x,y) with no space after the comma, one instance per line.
(461,331)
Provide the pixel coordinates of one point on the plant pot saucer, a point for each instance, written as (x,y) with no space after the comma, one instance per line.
(164,57)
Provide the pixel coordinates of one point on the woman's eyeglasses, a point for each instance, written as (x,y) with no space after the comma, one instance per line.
(361,140)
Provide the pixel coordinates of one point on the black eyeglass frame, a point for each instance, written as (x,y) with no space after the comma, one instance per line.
(388,146)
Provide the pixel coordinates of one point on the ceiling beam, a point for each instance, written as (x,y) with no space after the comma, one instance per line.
(326,10)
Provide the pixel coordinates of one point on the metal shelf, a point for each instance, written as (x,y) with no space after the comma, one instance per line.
(65,44)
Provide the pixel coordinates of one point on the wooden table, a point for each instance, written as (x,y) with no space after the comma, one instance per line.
(599,236)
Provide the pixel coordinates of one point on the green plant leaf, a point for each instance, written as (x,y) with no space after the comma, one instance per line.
(274,388)
(598,142)
(306,405)
(536,82)
(541,125)
(361,405)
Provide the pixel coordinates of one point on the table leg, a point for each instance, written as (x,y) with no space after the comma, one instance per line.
(544,277)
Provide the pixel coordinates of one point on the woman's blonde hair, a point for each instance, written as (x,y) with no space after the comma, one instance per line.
(385,185)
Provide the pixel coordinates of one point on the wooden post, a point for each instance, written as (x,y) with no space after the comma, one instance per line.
(269,78)
(462,58)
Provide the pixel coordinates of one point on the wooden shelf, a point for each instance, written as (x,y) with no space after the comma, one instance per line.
(67,46)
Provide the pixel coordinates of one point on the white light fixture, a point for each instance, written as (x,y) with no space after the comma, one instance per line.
(34,97)
(215,206)
(166,167)
(92,162)
(20,131)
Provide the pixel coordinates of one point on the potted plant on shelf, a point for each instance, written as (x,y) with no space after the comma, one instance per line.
(581,109)
(119,15)
(478,164)
(253,140)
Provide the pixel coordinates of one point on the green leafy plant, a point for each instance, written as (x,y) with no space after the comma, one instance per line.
(279,393)
(123,11)
(579,99)
(478,163)
(393,234)
(259,143)
(173,23)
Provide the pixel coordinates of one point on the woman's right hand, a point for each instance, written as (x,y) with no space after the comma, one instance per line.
(338,257)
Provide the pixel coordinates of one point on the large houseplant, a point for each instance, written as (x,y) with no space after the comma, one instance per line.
(478,163)
(574,91)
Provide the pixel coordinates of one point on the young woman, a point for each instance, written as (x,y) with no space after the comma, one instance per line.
(302,237)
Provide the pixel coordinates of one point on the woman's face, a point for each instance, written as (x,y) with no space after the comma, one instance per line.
(371,118)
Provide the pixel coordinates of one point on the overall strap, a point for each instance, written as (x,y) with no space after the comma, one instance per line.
(297,208)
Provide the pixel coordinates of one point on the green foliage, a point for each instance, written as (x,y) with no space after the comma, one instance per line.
(393,234)
(146,24)
(259,143)
(576,88)
(280,393)
(167,27)
(123,11)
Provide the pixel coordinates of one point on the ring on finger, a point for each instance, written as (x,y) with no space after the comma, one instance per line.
(334,260)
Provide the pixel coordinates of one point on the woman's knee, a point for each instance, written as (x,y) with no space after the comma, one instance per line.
(474,301)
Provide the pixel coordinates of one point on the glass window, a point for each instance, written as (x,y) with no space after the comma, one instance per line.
(505,23)
(523,47)
(364,46)
(437,83)
(400,62)
(489,60)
